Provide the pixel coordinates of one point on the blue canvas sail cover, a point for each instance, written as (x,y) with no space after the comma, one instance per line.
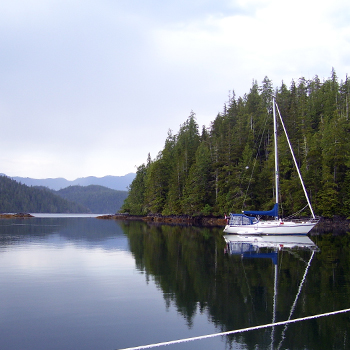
(273,212)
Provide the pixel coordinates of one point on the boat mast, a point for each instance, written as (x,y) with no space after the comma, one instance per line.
(295,162)
(276,153)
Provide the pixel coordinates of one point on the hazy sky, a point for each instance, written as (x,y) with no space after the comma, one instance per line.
(90,87)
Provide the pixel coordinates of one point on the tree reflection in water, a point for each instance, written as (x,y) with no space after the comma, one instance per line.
(244,284)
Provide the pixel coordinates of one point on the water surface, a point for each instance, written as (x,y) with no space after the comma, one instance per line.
(84,283)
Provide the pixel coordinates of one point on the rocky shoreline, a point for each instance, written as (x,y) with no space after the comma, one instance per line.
(335,224)
(171,219)
(16,215)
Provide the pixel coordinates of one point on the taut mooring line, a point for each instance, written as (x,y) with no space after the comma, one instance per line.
(235,331)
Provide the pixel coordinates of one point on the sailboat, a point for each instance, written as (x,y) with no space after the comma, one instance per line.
(250,223)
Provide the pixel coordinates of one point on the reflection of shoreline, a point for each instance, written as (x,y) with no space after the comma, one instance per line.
(72,229)
(189,266)
(171,219)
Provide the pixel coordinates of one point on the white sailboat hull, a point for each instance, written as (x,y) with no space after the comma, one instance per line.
(272,227)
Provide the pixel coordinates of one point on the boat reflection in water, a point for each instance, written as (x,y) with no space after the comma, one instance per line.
(250,246)
(265,246)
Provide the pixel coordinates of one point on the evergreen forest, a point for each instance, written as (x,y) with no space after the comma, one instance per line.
(98,199)
(229,166)
(16,197)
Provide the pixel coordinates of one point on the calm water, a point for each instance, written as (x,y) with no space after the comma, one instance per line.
(84,283)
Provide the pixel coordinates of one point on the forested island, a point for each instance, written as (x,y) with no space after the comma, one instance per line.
(229,166)
(98,199)
(16,197)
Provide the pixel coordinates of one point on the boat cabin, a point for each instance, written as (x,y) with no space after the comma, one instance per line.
(241,219)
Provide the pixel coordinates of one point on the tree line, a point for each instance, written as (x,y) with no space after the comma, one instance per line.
(16,197)
(97,199)
(229,166)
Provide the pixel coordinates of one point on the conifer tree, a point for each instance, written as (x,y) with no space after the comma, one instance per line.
(212,172)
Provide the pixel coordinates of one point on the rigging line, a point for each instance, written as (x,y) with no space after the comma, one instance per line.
(256,157)
(296,213)
(236,331)
(297,256)
(295,301)
(250,294)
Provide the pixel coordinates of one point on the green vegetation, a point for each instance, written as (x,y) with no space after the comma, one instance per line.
(16,197)
(229,166)
(98,199)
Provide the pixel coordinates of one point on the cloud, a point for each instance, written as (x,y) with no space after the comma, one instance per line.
(279,39)
(89,88)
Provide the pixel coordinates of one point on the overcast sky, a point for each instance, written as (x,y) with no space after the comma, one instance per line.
(90,87)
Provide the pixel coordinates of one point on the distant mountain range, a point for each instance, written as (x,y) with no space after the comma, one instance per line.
(119,183)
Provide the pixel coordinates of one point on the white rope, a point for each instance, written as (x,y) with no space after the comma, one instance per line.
(274,306)
(235,331)
(295,300)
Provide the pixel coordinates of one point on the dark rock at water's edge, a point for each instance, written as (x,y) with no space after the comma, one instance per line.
(336,225)
(171,219)
(17,215)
